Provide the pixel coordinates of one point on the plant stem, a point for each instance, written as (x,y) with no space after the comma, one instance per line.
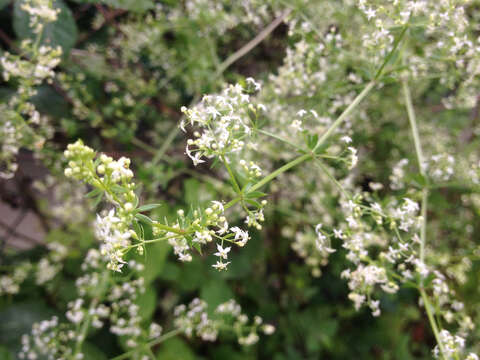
(345,113)
(88,317)
(280,170)
(252,43)
(418,150)
(432,321)
(423,232)
(161,339)
(390,54)
(169,228)
(413,124)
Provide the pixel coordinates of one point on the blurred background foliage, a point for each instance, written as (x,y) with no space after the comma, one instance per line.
(127,67)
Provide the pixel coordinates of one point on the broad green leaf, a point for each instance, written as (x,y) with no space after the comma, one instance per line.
(62,32)
(154,260)
(91,351)
(215,292)
(175,349)
(18,319)
(146,303)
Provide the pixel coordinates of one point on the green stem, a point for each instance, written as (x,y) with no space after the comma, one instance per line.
(161,339)
(345,113)
(390,54)
(413,124)
(423,232)
(281,170)
(420,159)
(332,178)
(88,317)
(267,133)
(432,321)
(170,229)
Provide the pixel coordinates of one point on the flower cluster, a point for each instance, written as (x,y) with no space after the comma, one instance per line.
(226,122)
(194,320)
(42,272)
(23,125)
(440,167)
(41,12)
(114,179)
(314,247)
(452,347)
(102,299)
(203,227)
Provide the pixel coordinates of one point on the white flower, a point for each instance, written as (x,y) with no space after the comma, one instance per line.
(196,158)
(222,253)
(241,236)
(221,265)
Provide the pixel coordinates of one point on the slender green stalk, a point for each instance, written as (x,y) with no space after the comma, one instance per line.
(390,54)
(431,319)
(169,228)
(88,317)
(413,124)
(344,114)
(332,178)
(267,133)
(419,153)
(423,232)
(281,170)
(149,345)
(252,43)
(232,176)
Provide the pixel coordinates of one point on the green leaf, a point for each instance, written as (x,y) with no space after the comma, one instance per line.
(143,218)
(154,260)
(91,351)
(175,349)
(147,207)
(119,189)
(18,319)
(146,303)
(93,193)
(255,194)
(97,200)
(215,292)
(62,32)
(253,203)
(131,5)
(138,229)
(312,141)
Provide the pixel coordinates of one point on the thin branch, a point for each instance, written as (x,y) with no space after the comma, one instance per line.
(252,43)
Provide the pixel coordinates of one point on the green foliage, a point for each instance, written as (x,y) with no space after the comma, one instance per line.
(336,196)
